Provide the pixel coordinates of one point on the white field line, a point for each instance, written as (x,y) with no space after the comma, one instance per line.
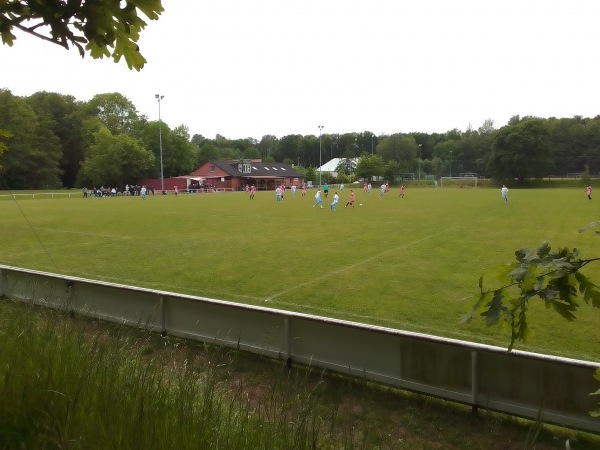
(352,266)
(48,249)
(87,233)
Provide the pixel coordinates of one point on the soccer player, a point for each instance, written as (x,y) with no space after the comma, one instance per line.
(318,200)
(336,199)
(504,191)
(588,192)
(351,199)
(402,191)
(326,189)
(278,193)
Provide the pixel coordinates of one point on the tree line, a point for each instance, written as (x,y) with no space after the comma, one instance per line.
(51,140)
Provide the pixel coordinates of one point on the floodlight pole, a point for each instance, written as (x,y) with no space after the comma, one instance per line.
(420,145)
(450,162)
(162,179)
(371,143)
(320,161)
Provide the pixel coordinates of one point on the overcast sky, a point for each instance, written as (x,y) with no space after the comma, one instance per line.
(246,69)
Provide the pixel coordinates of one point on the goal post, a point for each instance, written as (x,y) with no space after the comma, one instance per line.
(465,182)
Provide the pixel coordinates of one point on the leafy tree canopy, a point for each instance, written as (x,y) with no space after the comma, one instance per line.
(553,277)
(540,274)
(521,150)
(370,166)
(101,28)
(115,160)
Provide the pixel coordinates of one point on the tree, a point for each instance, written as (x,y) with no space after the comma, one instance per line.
(553,277)
(98,27)
(116,112)
(346,166)
(115,160)
(346,145)
(268,144)
(198,140)
(252,153)
(310,174)
(521,151)
(3,147)
(33,158)
(392,170)
(230,154)
(65,118)
(370,166)
(289,147)
(398,147)
(207,152)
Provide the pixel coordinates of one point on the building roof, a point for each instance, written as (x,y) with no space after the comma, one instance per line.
(331,166)
(259,170)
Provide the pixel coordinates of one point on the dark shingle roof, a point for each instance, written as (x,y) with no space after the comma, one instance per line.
(259,169)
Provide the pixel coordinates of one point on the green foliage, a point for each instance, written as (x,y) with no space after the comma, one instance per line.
(553,277)
(392,171)
(346,166)
(115,160)
(115,111)
(99,27)
(370,166)
(33,159)
(585,175)
(522,150)
(66,119)
(3,147)
(310,174)
(398,147)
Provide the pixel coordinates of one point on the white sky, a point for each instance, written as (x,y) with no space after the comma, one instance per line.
(246,69)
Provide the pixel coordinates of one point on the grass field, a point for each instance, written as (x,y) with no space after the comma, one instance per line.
(411,263)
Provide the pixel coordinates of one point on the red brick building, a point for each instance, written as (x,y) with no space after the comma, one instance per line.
(232,176)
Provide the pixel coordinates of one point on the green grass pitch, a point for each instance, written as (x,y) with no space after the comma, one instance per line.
(410,263)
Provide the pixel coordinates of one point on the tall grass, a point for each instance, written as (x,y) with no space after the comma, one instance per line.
(69,384)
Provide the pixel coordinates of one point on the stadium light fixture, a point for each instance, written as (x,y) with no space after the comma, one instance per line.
(162,179)
(320,152)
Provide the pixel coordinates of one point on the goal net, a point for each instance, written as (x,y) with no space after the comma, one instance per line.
(460,182)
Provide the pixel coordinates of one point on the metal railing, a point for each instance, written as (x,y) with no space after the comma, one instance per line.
(553,389)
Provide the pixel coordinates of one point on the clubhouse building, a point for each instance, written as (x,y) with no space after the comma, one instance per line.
(232,176)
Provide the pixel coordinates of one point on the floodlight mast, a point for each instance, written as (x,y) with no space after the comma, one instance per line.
(420,145)
(320,161)
(162,179)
